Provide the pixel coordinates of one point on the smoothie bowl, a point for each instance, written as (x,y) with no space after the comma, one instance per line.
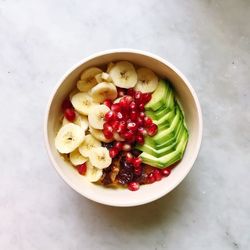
(123,127)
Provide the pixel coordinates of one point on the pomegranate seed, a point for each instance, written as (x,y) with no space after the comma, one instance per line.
(150,178)
(126,147)
(133,106)
(107,131)
(132,126)
(82,168)
(166,171)
(140,122)
(113,152)
(133,186)
(131,92)
(129,136)
(129,157)
(118,145)
(122,127)
(108,103)
(152,130)
(133,115)
(141,107)
(139,139)
(70,114)
(146,97)
(142,131)
(115,125)
(110,116)
(66,104)
(138,171)
(157,174)
(147,121)
(119,116)
(121,92)
(137,162)
(138,96)
(142,115)
(116,107)
(128,99)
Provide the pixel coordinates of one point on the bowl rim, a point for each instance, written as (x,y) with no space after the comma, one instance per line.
(133,51)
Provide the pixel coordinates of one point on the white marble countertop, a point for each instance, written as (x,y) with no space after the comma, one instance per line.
(209,41)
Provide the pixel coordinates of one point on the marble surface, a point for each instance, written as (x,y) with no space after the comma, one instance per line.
(208,40)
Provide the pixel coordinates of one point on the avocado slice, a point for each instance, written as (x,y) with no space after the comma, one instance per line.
(168,159)
(165,121)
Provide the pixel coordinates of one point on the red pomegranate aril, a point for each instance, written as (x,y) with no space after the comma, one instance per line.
(133,115)
(142,131)
(108,103)
(140,139)
(138,170)
(133,186)
(110,116)
(131,92)
(142,115)
(129,157)
(115,125)
(119,116)
(157,174)
(122,127)
(113,152)
(118,145)
(82,168)
(70,114)
(126,147)
(138,96)
(133,106)
(152,130)
(150,178)
(166,172)
(121,92)
(137,162)
(128,99)
(66,104)
(140,122)
(108,134)
(146,97)
(116,107)
(132,126)
(141,107)
(129,135)
(147,121)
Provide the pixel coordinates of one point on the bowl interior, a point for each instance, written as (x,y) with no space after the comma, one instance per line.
(147,193)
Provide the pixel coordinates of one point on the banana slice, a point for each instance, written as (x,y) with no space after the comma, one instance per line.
(98,78)
(96,116)
(93,174)
(147,80)
(110,66)
(76,158)
(80,120)
(83,102)
(100,158)
(88,80)
(106,77)
(68,138)
(98,134)
(103,91)
(124,75)
(89,143)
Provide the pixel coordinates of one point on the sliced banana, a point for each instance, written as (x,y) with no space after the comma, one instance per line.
(124,75)
(110,66)
(96,116)
(103,91)
(98,134)
(80,120)
(83,102)
(88,144)
(106,77)
(68,138)
(98,78)
(147,80)
(76,158)
(93,174)
(100,158)
(88,79)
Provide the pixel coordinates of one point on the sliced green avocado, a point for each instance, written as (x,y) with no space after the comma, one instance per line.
(165,121)
(168,159)
(166,149)
(160,97)
(156,115)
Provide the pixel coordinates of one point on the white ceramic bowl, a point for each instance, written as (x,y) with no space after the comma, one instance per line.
(147,193)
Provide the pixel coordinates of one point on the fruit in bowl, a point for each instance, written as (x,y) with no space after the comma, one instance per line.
(122,126)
